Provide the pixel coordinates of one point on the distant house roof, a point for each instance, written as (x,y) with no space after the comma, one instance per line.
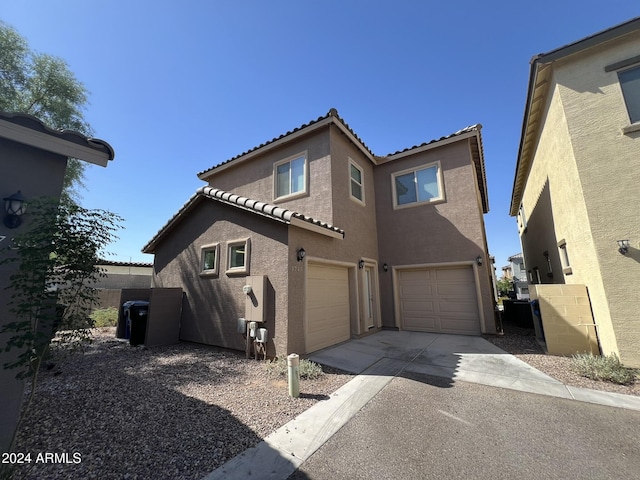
(28,130)
(103,262)
(267,210)
(332,118)
(539,81)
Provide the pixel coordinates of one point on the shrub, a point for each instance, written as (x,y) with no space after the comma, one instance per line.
(605,368)
(105,317)
(308,369)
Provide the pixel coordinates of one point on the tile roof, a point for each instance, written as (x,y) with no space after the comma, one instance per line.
(115,263)
(472,128)
(268,210)
(33,123)
(331,117)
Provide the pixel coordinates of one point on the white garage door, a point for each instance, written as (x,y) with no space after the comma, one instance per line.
(441,300)
(327,306)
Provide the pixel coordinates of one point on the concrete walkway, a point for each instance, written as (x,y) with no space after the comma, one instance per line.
(377,359)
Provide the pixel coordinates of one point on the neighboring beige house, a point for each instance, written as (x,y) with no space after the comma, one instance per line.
(577,186)
(119,275)
(334,241)
(33,160)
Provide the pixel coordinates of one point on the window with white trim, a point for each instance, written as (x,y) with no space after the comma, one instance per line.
(209,255)
(564,257)
(356,176)
(238,256)
(522,220)
(417,186)
(290,177)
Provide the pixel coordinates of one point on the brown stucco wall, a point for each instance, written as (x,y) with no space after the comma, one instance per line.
(36,173)
(450,231)
(212,304)
(255,180)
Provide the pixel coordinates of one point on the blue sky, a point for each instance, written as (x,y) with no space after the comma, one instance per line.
(179,86)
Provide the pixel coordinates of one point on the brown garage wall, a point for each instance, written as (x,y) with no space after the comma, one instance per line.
(213,303)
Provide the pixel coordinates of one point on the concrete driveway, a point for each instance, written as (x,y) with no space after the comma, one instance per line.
(439,360)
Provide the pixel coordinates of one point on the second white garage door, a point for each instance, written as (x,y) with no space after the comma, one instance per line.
(327,306)
(441,300)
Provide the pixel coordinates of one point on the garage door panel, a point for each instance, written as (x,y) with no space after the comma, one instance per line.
(327,311)
(441,300)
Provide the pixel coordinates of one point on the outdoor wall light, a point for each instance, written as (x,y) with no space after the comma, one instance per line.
(15,206)
(301,254)
(479,260)
(361,264)
(623,246)
(385,267)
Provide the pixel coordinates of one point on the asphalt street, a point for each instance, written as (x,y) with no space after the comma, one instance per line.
(423,427)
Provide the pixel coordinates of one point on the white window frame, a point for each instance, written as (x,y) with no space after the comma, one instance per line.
(522,220)
(564,257)
(305,179)
(244,269)
(415,170)
(353,180)
(214,247)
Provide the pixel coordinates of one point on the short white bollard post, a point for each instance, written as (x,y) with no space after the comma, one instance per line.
(293,364)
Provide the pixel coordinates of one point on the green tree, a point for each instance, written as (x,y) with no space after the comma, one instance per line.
(52,289)
(42,85)
(504,285)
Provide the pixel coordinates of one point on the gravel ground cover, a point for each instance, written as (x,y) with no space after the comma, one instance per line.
(175,412)
(179,412)
(522,343)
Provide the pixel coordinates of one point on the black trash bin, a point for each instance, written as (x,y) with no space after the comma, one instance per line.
(138,314)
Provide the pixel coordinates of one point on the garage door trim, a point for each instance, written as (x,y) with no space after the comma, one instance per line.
(396,283)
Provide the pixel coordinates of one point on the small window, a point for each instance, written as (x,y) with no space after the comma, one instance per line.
(357,181)
(536,275)
(418,186)
(238,257)
(564,257)
(630,84)
(290,177)
(522,220)
(209,259)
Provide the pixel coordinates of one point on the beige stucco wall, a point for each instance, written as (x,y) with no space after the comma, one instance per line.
(256,180)
(213,303)
(451,231)
(593,187)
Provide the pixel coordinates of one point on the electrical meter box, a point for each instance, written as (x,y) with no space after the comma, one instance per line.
(255,308)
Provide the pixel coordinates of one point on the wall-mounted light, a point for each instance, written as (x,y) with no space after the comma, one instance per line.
(15,206)
(623,246)
(301,254)
(385,267)
(361,264)
(479,260)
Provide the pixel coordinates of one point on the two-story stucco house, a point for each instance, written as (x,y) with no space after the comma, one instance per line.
(577,188)
(334,241)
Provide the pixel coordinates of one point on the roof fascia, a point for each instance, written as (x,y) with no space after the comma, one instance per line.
(430,146)
(296,222)
(44,141)
(260,151)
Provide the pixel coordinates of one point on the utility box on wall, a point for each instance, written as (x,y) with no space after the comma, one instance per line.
(255,290)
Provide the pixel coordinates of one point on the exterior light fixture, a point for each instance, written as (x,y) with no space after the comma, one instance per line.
(15,206)
(301,254)
(361,264)
(479,260)
(623,246)
(385,267)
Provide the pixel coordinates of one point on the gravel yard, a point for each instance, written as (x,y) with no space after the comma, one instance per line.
(179,412)
(174,412)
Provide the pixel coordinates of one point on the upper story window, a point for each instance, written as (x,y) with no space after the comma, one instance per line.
(416,186)
(290,177)
(357,181)
(564,257)
(630,84)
